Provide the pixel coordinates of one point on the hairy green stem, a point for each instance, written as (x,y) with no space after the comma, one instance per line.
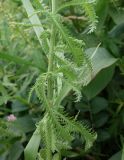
(51,63)
(50,69)
(54,2)
(51,56)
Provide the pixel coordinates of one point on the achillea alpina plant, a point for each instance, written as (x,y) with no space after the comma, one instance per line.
(68,70)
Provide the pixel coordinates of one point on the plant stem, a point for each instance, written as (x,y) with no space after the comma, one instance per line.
(54,6)
(51,62)
(51,56)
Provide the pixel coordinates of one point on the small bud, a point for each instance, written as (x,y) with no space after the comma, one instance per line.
(11,118)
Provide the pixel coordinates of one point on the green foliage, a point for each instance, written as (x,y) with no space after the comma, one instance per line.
(85,92)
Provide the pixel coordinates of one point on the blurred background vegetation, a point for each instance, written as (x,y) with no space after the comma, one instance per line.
(22,59)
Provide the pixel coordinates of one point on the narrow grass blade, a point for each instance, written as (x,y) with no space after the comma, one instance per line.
(17,60)
(31,149)
(34,19)
(13,58)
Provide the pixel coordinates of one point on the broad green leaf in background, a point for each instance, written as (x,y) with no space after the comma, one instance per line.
(98,104)
(117,31)
(98,83)
(117,15)
(16,151)
(18,106)
(100,59)
(24,124)
(102,63)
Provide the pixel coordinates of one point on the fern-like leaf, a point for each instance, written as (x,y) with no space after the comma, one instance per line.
(65,127)
(71,43)
(76,127)
(88,7)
